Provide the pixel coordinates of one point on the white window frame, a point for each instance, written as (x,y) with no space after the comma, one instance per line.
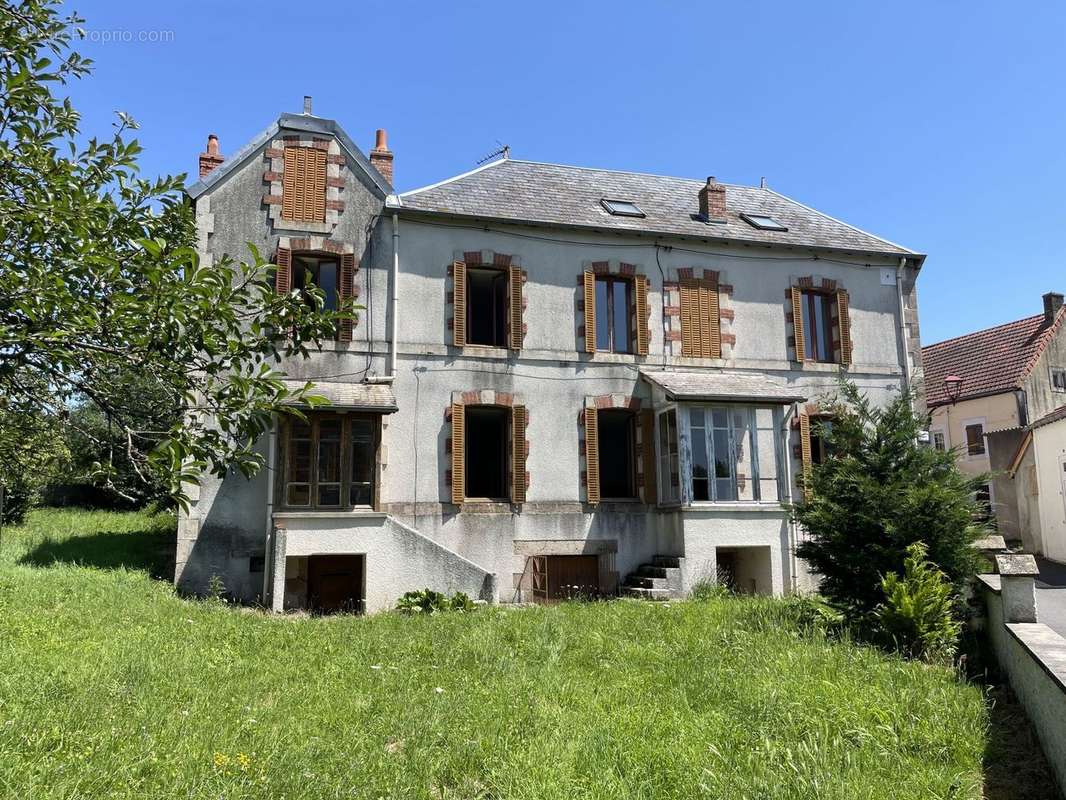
(663,482)
(943,431)
(964,424)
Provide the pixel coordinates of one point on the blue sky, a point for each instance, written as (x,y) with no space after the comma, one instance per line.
(938,125)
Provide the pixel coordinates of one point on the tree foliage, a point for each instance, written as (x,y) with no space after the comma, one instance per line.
(99,279)
(879,492)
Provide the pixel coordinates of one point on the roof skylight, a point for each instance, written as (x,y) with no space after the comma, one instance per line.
(763,222)
(622,208)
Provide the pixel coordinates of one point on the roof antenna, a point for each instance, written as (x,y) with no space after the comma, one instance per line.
(503,150)
(307,105)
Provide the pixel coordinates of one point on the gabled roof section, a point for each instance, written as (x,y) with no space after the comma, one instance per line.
(991,361)
(303,123)
(552,194)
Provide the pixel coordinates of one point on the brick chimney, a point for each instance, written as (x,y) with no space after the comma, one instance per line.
(211,158)
(381,156)
(712,201)
(1052,304)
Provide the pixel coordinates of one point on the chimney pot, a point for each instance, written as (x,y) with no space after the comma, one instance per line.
(1052,304)
(712,201)
(210,158)
(307,104)
(381,155)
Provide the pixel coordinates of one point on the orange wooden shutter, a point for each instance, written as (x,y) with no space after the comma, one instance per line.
(797,324)
(289,180)
(303,185)
(640,307)
(844,325)
(458,453)
(459,304)
(647,446)
(805,452)
(592,454)
(283,275)
(690,329)
(590,311)
(347,275)
(701,325)
(316,185)
(516,308)
(519,423)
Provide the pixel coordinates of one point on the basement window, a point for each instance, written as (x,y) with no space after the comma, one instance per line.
(763,222)
(486,307)
(622,208)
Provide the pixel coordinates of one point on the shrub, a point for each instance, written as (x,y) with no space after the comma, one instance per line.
(918,611)
(427,601)
(878,492)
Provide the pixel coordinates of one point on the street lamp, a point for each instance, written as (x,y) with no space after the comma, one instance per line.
(953,388)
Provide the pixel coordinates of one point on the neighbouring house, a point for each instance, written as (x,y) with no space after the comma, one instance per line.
(566,381)
(985,391)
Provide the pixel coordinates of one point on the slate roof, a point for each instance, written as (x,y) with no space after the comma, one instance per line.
(990,362)
(527,191)
(708,385)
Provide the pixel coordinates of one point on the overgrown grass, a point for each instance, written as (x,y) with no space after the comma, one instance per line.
(112,686)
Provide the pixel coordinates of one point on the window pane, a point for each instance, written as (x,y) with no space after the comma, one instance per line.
(723,459)
(700,465)
(820,321)
(329,494)
(745,465)
(766,442)
(975,440)
(299,494)
(300,453)
(361,490)
(810,348)
(603,319)
(327,282)
(620,313)
(329,451)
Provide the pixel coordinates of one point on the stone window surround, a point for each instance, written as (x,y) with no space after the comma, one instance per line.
(323,246)
(492,260)
(622,402)
(485,397)
(672,310)
(816,283)
(618,269)
(336,165)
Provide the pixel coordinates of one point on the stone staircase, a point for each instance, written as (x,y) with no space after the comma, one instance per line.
(659,580)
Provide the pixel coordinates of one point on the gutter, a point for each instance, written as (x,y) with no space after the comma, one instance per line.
(394,305)
(903,324)
(786,457)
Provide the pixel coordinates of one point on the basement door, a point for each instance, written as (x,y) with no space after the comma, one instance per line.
(556,578)
(335,584)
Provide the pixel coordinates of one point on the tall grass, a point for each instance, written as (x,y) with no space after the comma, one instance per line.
(112,686)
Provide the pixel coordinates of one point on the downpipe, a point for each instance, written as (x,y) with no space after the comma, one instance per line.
(394,305)
(787,459)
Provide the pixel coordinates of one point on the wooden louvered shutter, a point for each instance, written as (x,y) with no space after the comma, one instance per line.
(283,275)
(316,185)
(797,324)
(805,452)
(303,185)
(844,325)
(459,304)
(519,423)
(347,277)
(701,324)
(516,308)
(590,311)
(640,308)
(458,453)
(289,181)
(647,446)
(592,454)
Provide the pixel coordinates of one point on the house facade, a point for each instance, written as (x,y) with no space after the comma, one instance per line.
(563,382)
(985,389)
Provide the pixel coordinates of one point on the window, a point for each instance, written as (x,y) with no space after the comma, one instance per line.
(486,315)
(763,222)
(817,310)
(616,440)
(975,438)
(321,272)
(733,453)
(330,461)
(622,208)
(669,464)
(820,430)
(303,185)
(487,433)
(939,440)
(1058,379)
(613,313)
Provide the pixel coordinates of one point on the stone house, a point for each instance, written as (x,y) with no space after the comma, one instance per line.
(983,391)
(564,381)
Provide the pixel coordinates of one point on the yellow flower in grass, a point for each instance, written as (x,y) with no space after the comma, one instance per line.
(221,760)
(244,761)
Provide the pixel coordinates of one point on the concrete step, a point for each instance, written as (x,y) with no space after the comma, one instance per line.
(673,562)
(648,594)
(644,582)
(652,571)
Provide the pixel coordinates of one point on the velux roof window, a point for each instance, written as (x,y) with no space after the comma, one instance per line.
(622,208)
(763,222)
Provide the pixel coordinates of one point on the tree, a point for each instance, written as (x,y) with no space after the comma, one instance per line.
(878,492)
(32,453)
(98,279)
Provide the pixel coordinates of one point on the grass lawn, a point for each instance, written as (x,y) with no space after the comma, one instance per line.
(112,686)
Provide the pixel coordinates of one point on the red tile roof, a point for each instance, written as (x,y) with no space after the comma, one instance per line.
(991,361)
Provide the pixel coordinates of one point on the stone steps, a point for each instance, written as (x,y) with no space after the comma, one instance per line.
(659,580)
